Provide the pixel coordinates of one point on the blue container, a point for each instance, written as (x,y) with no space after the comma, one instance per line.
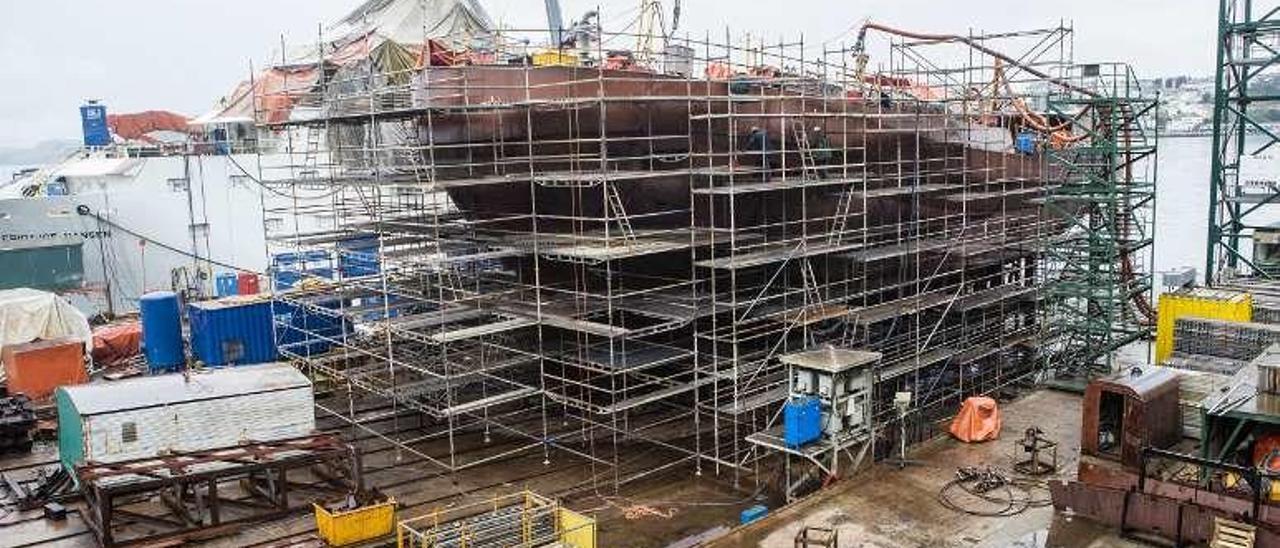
(224,284)
(93,123)
(161,331)
(315,255)
(357,263)
(55,188)
(1025,143)
(227,332)
(322,272)
(285,279)
(801,421)
(752,514)
(285,259)
(303,332)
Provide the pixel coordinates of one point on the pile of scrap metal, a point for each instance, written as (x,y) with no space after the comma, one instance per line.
(43,489)
(17,420)
(1138,474)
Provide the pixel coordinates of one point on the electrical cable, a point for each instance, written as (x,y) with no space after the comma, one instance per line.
(85,211)
(1003,495)
(268,188)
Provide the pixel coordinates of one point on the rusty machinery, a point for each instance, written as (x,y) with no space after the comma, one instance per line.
(196,495)
(1034,445)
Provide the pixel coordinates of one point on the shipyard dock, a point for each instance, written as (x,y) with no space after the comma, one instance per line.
(584,287)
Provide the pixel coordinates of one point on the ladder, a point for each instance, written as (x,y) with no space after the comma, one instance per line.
(618,212)
(808,165)
(311,158)
(815,305)
(841,220)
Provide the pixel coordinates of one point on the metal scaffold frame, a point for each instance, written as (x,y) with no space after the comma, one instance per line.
(1099,280)
(1247,51)
(602,258)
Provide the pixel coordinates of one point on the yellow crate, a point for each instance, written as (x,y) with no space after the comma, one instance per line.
(550,58)
(361,524)
(1197,303)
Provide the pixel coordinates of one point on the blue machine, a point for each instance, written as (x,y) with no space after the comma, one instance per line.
(225,332)
(93,123)
(801,421)
(161,331)
(752,514)
(1025,143)
(224,284)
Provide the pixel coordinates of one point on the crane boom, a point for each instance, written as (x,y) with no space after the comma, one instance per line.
(555,22)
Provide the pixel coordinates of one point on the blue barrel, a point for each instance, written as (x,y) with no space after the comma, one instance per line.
(224,284)
(161,331)
(93,122)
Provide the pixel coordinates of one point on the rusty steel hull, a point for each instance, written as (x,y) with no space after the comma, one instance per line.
(587,121)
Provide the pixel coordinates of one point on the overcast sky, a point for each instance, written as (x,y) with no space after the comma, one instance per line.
(181,55)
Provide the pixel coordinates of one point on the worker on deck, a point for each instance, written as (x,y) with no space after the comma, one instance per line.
(758,141)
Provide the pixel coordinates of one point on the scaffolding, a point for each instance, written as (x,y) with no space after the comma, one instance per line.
(1243,190)
(1098,275)
(587,254)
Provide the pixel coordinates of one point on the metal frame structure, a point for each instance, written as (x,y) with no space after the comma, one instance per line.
(1248,49)
(518,519)
(603,258)
(186,496)
(1099,277)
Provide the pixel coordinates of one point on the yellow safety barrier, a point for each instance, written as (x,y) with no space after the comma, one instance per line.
(361,524)
(1197,303)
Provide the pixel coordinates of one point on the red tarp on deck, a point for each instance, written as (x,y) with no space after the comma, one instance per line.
(978,420)
(118,342)
(136,125)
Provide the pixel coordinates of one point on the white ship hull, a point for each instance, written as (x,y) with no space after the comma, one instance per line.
(166,223)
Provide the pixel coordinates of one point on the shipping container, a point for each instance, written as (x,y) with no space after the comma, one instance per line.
(1205,303)
(146,416)
(232,331)
(37,368)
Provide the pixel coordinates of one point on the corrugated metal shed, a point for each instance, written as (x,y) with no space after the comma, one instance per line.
(234,330)
(146,416)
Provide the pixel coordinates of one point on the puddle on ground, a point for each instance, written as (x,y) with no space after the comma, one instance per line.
(1069,532)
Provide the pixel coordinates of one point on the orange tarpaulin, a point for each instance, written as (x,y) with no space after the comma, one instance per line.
(136,125)
(114,343)
(978,420)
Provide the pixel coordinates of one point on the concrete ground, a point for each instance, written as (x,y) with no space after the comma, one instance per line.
(891,507)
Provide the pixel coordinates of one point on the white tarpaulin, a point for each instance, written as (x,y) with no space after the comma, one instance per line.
(28,314)
(456,23)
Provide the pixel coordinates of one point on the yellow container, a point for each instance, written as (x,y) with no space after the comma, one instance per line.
(361,524)
(576,530)
(1213,304)
(551,58)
